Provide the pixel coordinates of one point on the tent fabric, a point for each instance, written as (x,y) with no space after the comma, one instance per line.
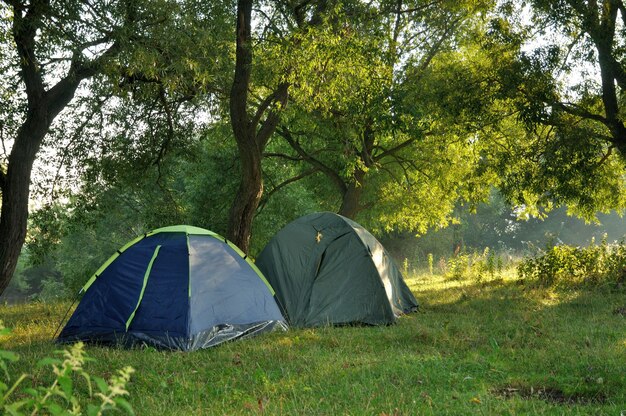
(327,269)
(177,287)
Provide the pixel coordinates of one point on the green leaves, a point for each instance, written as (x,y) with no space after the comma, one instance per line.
(366,110)
(61,397)
(332,69)
(5,356)
(569,267)
(564,86)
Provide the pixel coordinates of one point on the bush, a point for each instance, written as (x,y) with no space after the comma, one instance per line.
(562,265)
(60,397)
(476,266)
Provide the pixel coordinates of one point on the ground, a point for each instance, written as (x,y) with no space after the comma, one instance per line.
(497,346)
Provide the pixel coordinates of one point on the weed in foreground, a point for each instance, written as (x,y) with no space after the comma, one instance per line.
(61,397)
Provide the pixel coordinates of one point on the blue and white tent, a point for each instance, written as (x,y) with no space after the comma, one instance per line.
(177,287)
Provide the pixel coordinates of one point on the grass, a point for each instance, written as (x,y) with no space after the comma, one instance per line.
(489,347)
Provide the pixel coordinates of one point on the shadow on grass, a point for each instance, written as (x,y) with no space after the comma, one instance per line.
(517,299)
(550,395)
(562,347)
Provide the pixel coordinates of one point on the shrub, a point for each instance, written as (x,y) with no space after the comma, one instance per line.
(476,266)
(459,266)
(60,397)
(564,265)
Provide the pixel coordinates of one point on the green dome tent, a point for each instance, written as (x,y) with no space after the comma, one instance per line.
(327,269)
(177,287)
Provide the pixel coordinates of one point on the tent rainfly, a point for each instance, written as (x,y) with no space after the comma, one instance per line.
(327,269)
(179,287)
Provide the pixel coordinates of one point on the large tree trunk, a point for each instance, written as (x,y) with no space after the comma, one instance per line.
(251,132)
(247,199)
(351,199)
(251,184)
(15,195)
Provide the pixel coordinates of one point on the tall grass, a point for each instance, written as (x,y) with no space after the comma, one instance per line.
(488,346)
(567,266)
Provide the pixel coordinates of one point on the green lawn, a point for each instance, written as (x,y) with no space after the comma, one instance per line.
(494,347)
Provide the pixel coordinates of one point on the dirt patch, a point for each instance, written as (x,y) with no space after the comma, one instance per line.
(620,311)
(549,394)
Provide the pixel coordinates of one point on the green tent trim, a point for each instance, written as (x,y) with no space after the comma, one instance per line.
(188,230)
(143,286)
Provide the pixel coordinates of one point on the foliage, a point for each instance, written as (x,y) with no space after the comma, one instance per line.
(414,110)
(503,229)
(562,77)
(61,397)
(20,285)
(364,124)
(568,266)
(122,197)
(478,267)
(134,81)
(40,281)
(70,240)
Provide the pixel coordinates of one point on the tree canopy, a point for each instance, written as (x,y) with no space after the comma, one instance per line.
(240,115)
(564,80)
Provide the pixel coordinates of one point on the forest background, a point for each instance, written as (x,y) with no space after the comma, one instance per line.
(442,126)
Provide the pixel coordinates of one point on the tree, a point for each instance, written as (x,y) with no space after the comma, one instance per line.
(54,48)
(250,131)
(365,121)
(147,64)
(566,82)
(254,117)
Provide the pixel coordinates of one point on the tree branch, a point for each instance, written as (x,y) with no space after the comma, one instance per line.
(369,137)
(263,107)
(97,109)
(606,156)
(391,174)
(63,91)
(394,149)
(239,117)
(266,196)
(170,130)
(334,176)
(299,12)
(419,8)
(576,110)
(26,22)
(271,121)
